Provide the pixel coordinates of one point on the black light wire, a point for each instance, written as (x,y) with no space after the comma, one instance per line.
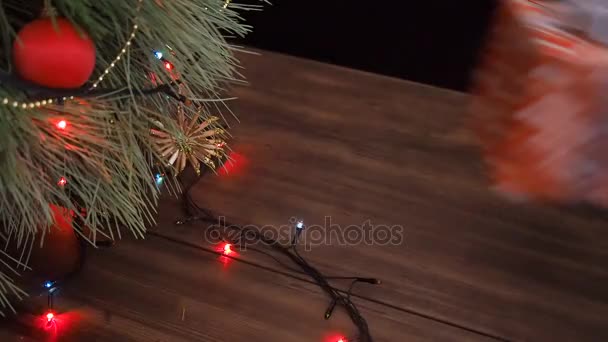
(338,297)
(209,218)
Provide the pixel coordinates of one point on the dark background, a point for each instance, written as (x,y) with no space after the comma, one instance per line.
(429,41)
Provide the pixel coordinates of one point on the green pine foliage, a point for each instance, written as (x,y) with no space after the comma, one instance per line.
(106,152)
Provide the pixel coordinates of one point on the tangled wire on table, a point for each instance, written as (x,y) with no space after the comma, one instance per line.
(338,297)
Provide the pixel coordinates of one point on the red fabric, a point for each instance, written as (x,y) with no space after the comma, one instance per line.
(540,108)
(54,56)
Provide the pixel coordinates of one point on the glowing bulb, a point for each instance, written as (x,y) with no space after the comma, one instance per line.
(227,248)
(48,284)
(62,181)
(159,179)
(158,54)
(342,340)
(168,66)
(49,317)
(300,225)
(62,124)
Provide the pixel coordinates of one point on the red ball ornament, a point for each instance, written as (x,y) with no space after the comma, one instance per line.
(54,56)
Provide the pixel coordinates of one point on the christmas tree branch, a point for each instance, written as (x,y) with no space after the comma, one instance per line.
(105,153)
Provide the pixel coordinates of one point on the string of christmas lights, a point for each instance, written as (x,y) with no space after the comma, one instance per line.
(198,143)
(337,297)
(52,287)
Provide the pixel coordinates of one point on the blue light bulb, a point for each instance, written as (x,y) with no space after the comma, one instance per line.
(300,225)
(48,284)
(159,179)
(158,54)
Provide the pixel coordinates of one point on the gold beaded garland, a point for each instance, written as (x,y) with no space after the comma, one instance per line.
(26,105)
(122,52)
(36,104)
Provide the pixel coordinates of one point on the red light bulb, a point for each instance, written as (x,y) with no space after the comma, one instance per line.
(168,66)
(62,124)
(227,248)
(62,181)
(50,316)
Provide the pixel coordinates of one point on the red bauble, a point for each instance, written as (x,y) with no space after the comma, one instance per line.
(54,56)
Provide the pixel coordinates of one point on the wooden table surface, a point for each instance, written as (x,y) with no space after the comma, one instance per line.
(352,150)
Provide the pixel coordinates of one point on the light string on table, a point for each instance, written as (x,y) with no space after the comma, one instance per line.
(338,297)
(51,287)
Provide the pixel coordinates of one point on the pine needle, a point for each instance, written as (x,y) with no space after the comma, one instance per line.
(106,153)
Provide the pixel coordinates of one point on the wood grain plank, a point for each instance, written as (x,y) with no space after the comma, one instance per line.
(320,141)
(158,290)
